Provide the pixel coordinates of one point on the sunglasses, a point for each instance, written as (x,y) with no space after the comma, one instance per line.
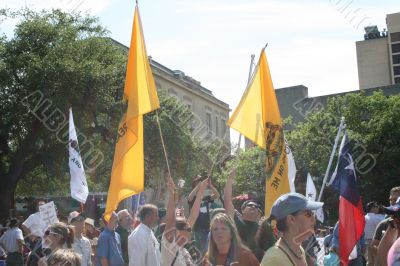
(183,227)
(78,219)
(48,232)
(252,205)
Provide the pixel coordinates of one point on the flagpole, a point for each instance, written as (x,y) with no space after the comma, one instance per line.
(248,81)
(331,158)
(240,135)
(162,142)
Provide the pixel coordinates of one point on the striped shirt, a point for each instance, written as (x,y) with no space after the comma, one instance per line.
(9,240)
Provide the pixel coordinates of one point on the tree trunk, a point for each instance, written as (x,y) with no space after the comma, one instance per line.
(6,194)
(9,181)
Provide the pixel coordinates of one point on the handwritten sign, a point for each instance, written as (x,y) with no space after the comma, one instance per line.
(48,213)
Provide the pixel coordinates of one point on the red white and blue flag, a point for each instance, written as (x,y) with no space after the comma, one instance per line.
(351,213)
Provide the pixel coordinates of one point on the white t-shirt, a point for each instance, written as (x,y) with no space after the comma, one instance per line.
(168,253)
(143,247)
(35,224)
(10,238)
(371,222)
(83,247)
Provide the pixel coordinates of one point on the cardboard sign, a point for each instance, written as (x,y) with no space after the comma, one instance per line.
(48,213)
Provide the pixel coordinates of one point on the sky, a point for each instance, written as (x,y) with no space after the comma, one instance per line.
(310,42)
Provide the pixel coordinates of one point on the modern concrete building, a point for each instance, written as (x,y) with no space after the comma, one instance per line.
(378,55)
(378,60)
(209,113)
(295,102)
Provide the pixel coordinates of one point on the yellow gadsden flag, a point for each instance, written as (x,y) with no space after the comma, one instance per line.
(257,117)
(127,176)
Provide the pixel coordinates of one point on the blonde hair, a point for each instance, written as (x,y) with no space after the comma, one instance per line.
(236,243)
(65,231)
(64,257)
(395,190)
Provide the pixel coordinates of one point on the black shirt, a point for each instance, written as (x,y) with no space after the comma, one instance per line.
(247,231)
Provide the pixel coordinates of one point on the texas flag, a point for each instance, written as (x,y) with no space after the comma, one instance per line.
(351,213)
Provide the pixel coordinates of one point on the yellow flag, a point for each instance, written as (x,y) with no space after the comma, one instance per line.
(127,176)
(257,117)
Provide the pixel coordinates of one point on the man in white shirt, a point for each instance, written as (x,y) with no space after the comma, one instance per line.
(34,226)
(372,219)
(12,241)
(81,244)
(143,247)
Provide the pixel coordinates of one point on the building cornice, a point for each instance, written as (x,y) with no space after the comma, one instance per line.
(180,79)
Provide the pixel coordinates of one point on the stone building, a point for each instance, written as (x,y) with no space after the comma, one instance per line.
(209,113)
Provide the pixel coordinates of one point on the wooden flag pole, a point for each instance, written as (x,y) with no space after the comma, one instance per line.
(162,143)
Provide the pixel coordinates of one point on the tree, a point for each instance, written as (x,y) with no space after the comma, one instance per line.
(182,149)
(55,60)
(373,125)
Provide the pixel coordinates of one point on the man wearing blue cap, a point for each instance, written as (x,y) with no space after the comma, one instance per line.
(389,250)
(295,220)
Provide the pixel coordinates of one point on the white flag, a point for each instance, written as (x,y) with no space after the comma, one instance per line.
(292,168)
(79,188)
(311,194)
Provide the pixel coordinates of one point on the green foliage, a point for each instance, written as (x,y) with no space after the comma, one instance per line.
(373,124)
(177,139)
(250,175)
(68,60)
(187,155)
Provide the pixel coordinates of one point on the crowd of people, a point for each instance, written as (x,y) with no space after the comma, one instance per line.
(213,232)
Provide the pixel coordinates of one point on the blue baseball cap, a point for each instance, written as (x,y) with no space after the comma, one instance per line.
(292,202)
(394,208)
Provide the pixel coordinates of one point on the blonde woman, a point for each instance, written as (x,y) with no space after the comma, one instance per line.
(178,230)
(225,247)
(57,236)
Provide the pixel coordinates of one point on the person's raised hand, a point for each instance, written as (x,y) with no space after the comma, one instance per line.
(204,184)
(170,184)
(232,174)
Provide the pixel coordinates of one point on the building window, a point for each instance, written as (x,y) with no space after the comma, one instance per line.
(173,93)
(223,125)
(396,70)
(216,126)
(396,59)
(396,48)
(397,81)
(209,123)
(395,36)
